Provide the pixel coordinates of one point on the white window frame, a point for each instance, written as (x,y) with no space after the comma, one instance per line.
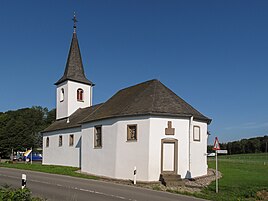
(197,136)
(96,143)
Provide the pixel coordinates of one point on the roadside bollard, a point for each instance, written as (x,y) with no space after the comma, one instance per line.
(23,181)
(135,176)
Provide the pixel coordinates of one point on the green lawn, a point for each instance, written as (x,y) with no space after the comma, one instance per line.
(54,169)
(243,176)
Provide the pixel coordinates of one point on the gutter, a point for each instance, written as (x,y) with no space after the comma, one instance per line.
(190,132)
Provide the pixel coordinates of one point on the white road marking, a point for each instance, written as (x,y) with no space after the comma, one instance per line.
(75,188)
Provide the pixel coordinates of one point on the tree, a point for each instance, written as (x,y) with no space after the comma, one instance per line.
(252,145)
(20,129)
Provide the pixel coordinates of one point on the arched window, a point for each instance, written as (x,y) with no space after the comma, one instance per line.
(80,95)
(61,95)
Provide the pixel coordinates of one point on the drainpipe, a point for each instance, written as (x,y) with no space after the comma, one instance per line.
(91,98)
(190,132)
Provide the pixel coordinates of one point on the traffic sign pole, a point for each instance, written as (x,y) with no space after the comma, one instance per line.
(216,147)
(217,185)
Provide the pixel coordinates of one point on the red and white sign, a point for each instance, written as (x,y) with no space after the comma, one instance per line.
(216,144)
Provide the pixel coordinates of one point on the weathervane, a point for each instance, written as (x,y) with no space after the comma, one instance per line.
(75,20)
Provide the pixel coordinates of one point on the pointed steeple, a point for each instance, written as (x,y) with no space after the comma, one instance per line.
(74,69)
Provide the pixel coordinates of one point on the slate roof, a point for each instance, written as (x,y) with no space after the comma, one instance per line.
(74,69)
(74,119)
(147,98)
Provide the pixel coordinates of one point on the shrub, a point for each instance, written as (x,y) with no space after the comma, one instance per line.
(10,194)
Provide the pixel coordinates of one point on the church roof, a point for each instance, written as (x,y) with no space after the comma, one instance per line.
(74,69)
(147,98)
(74,119)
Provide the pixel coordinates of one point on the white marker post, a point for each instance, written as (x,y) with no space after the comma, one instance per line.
(23,181)
(135,176)
(216,147)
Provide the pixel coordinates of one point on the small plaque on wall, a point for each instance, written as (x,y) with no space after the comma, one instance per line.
(169,130)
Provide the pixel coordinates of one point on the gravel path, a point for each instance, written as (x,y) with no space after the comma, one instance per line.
(193,185)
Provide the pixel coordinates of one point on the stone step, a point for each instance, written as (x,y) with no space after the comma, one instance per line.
(171,179)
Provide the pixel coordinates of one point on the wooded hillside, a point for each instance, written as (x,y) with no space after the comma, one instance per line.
(20,129)
(244,146)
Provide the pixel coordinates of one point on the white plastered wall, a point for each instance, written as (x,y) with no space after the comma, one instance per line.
(198,149)
(65,155)
(62,106)
(70,104)
(157,133)
(117,157)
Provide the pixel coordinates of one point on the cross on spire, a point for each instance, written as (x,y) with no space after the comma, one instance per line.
(75,20)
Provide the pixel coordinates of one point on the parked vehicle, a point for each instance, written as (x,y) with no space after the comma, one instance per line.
(29,155)
(18,156)
(211,154)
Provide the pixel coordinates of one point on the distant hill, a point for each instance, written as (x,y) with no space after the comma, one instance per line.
(244,146)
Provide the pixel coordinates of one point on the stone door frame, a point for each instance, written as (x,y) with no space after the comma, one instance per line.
(175,142)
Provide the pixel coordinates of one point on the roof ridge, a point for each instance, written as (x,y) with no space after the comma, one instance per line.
(153,102)
(152,80)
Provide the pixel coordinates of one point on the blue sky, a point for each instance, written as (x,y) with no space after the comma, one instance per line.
(213,54)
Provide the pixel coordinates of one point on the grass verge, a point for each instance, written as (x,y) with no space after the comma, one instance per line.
(244,177)
(53,169)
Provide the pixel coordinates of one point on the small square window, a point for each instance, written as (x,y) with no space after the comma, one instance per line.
(60,140)
(131,132)
(196,133)
(98,137)
(71,140)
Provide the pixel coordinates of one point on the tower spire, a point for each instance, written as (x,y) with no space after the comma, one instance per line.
(75,20)
(74,69)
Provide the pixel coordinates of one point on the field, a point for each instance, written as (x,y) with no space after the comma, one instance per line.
(245,177)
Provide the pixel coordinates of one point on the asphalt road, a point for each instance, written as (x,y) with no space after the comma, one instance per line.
(61,188)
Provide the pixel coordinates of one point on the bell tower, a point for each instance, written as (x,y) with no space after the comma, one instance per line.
(74,90)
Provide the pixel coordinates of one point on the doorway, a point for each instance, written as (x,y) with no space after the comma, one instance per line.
(169,156)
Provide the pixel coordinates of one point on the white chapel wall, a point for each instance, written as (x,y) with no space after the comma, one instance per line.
(70,104)
(157,133)
(99,161)
(65,155)
(117,157)
(199,151)
(72,96)
(61,105)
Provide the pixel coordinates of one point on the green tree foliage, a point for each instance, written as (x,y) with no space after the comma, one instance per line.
(244,146)
(10,194)
(20,129)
